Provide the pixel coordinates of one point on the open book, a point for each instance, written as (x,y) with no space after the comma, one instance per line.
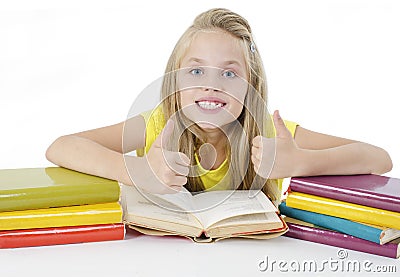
(203,217)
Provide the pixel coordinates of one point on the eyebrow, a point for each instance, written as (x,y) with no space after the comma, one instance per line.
(198,60)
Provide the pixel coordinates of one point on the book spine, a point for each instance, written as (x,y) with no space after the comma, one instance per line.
(63,216)
(58,196)
(341,240)
(342,209)
(346,195)
(61,235)
(342,225)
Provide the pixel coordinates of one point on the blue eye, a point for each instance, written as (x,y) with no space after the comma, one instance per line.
(196,71)
(229,74)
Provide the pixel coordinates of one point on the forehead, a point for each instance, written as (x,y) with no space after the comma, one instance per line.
(215,48)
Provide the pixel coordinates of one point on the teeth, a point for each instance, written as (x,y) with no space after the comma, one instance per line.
(209,105)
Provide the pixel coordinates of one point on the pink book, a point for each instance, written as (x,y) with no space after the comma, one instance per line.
(367,189)
(337,239)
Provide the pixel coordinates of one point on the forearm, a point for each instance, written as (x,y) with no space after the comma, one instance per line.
(87,156)
(353,158)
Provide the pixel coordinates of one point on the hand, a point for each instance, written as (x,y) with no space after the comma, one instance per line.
(282,147)
(162,171)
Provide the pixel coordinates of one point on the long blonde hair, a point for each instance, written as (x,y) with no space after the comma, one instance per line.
(252,119)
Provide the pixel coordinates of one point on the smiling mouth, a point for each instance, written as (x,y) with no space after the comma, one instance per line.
(210,105)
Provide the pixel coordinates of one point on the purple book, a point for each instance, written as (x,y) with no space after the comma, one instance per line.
(337,239)
(367,189)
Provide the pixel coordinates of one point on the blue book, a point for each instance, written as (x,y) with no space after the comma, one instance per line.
(372,233)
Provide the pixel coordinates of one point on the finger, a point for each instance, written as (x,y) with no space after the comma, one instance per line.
(280,127)
(177,188)
(165,134)
(256,152)
(170,189)
(257,141)
(256,168)
(180,170)
(177,162)
(178,181)
(182,159)
(255,160)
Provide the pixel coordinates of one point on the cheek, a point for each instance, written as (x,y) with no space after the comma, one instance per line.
(237,105)
(237,108)
(186,98)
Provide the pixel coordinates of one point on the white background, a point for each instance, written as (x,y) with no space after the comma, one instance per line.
(67,66)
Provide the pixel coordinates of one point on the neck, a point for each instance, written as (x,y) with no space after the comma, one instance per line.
(209,158)
(216,137)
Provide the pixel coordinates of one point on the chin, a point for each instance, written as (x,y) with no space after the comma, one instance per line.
(207,126)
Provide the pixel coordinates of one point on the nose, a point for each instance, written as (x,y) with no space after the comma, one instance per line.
(211,89)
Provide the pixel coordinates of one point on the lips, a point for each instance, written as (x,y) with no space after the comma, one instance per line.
(210,103)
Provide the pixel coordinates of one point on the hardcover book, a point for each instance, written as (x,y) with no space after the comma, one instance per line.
(366,189)
(204,217)
(308,232)
(62,216)
(343,209)
(36,188)
(61,235)
(374,233)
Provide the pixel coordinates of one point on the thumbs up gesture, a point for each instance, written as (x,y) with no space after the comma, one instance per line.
(277,153)
(168,169)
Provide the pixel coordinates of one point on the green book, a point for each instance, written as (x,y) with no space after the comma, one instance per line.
(36,188)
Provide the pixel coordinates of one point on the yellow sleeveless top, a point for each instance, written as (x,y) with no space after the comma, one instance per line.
(155,123)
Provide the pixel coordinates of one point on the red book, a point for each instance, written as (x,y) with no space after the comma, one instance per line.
(367,189)
(61,235)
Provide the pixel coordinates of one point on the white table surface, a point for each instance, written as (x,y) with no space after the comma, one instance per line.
(141,255)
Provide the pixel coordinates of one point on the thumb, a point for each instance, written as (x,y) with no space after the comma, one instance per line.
(165,134)
(280,127)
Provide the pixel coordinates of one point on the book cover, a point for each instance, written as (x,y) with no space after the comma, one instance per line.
(372,233)
(365,189)
(61,235)
(62,216)
(36,188)
(337,239)
(343,209)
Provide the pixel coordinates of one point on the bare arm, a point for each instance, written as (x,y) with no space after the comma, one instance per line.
(99,151)
(310,153)
(325,154)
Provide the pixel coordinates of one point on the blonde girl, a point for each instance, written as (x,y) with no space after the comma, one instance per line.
(238,148)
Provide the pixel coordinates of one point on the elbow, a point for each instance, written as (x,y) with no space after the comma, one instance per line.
(386,163)
(49,152)
(53,149)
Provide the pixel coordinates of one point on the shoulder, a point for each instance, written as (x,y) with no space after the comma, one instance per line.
(292,126)
(155,122)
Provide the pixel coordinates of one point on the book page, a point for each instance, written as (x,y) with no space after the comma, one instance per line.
(135,203)
(183,199)
(214,206)
(246,219)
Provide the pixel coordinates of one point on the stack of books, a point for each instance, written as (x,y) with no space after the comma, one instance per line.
(54,205)
(358,212)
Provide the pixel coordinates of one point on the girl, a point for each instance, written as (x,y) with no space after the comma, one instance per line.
(225,137)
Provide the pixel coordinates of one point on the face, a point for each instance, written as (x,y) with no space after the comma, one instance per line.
(212,80)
